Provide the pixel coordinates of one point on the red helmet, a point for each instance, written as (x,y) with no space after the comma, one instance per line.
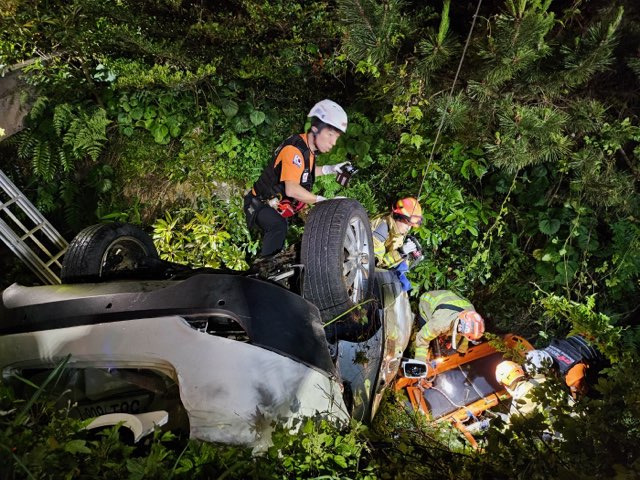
(409,209)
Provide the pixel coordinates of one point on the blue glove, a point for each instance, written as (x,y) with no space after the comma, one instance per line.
(400,270)
(402,267)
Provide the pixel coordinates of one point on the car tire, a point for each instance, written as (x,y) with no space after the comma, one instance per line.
(106,249)
(337,252)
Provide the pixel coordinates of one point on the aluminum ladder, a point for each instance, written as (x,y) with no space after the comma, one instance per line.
(28,234)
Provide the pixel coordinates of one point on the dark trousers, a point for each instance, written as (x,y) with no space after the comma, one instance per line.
(272,224)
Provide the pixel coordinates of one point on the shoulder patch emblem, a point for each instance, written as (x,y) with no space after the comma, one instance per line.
(297,161)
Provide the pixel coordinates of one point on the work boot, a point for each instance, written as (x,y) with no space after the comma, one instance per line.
(264,265)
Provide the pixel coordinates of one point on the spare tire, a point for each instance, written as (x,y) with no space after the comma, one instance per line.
(337,252)
(105,250)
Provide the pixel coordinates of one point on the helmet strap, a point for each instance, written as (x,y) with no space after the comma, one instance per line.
(312,136)
(454,334)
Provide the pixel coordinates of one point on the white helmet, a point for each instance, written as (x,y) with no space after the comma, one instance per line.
(331,113)
(537,360)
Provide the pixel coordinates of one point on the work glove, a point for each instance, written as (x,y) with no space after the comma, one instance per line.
(408,247)
(401,272)
(337,168)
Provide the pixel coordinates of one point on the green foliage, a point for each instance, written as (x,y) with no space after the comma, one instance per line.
(528,135)
(320,449)
(77,134)
(613,341)
(214,235)
(375,30)
(161,115)
(37,440)
(564,441)
(153,106)
(438,47)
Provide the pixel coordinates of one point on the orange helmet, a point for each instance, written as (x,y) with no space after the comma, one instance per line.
(471,324)
(508,372)
(409,209)
(468,324)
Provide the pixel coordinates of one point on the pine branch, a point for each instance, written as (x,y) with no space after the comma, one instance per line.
(592,54)
(372,28)
(437,49)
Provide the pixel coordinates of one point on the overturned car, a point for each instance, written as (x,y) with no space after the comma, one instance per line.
(226,354)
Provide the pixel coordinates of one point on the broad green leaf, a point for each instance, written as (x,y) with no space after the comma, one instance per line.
(76,446)
(161,134)
(257,117)
(354,130)
(340,461)
(362,148)
(464,170)
(230,108)
(241,124)
(137,113)
(567,269)
(124,119)
(150,112)
(479,169)
(549,226)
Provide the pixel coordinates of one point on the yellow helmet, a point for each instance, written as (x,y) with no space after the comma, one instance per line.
(508,372)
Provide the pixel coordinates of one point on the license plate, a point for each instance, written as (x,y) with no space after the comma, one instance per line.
(135,404)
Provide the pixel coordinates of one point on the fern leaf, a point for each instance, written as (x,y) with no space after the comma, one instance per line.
(41,161)
(38,107)
(62,116)
(26,144)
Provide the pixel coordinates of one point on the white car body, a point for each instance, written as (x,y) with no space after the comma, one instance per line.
(233,390)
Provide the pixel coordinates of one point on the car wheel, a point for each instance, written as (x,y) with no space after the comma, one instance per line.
(337,251)
(106,249)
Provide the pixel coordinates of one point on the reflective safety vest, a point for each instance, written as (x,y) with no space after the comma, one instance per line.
(439,310)
(521,401)
(386,241)
(269,186)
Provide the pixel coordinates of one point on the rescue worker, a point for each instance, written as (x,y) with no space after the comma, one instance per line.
(512,376)
(389,231)
(443,313)
(284,187)
(571,357)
